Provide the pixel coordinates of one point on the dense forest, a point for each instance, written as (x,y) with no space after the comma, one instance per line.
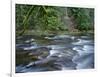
(52,19)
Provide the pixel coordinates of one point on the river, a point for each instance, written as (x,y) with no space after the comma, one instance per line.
(54,52)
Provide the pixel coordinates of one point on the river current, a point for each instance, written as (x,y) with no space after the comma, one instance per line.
(54,52)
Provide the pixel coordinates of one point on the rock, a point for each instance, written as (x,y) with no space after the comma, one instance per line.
(22,46)
(26,46)
(41,52)
(68,53)
(54,67)
(43,62)
(30,41)
(66,62)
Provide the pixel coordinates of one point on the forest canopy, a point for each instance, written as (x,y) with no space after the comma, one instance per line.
(53,18)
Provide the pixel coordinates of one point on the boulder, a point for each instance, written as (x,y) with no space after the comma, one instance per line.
(41,52)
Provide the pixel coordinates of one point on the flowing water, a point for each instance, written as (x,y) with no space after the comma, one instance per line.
(54,52)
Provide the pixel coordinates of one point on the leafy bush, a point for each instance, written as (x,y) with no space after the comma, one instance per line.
(82,17)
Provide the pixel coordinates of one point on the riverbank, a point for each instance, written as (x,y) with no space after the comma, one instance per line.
(47,33)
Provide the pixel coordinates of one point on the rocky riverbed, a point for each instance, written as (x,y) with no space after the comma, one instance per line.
(54,52)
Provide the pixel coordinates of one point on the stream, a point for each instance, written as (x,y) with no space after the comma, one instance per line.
(54,52)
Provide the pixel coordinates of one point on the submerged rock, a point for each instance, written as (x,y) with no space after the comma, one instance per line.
(43,62)
(41,52)
(26,56)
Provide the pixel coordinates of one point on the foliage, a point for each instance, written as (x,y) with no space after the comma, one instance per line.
(37,17)
(82,17)
(50,18)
